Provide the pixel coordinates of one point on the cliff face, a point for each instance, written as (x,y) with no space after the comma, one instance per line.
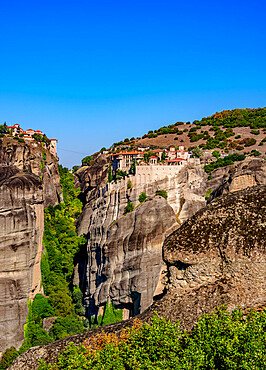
(21,220)
(125,261)
(102,220)
(33,158)
(216,257)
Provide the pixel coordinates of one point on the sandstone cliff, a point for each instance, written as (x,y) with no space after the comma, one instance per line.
(21,220)
(33,158)
(125,252)
(216,257)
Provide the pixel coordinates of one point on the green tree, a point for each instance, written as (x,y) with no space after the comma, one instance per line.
(216,154)
(197,152)
(129,208)
(8,357)
(162,193)
(142,197)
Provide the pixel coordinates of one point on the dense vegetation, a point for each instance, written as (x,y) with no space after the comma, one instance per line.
(219,341)
(222,162)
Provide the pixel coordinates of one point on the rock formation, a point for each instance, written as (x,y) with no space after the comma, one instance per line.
(216,257)
(21,220)
(125,252)
(33,158)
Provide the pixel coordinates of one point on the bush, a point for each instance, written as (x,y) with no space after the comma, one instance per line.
(87,161)
(256,153)
(64,327)
(129,208)
(8,357)
(249,142)
(162,193)
(142,197)
(226,161)
(255,132)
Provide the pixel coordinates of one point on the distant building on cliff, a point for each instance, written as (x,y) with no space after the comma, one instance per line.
(164,163)
(50,144)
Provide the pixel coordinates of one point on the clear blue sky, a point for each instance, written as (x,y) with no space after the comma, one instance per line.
(91,73)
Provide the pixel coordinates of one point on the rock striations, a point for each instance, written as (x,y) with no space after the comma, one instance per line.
(21,219)
(33,158)
(124,252)
(216,257)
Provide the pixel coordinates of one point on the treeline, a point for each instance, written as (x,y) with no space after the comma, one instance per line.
(219,341)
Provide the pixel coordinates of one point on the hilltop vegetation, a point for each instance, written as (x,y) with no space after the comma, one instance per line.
(229,130)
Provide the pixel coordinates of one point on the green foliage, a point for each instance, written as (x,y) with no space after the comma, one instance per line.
(44,156)
(208,193)
(8,357)
(77,298)
(41,138)
(129,184)
(87,161)
(219,341)
(120,174)
(248,141)
(163,155)
(216,154)
(110,315)
(66,326)
(142,197)
(162,193)
(110,174)
(41,308)
(20,140)
(255,152)
(197,152)
(255,132)
(226,161)
(42,166)
(147,155)
(133,168)
(129,208)
(61,245)
(3,129)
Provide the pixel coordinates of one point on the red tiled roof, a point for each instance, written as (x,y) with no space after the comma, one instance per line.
(124,153)
(157,150)
(153,156)
(29,129)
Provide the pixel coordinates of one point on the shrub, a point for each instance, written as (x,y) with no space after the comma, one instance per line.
(129,208)
(216,154)
(197,152)
(87,161)
(64,327)
(256,153)
(8,357)
(249,142)
(129,184)
(162,193)
(255,132)
(142,197)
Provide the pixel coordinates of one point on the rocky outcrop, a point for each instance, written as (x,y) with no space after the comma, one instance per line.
(124,253)
(21,220)
(249,173)
(33,158)
(124,262)
(216,257)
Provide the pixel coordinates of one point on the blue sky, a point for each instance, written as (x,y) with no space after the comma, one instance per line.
(91,73)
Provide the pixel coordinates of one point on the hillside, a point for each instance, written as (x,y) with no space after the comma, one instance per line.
(238,130)
(217,257)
